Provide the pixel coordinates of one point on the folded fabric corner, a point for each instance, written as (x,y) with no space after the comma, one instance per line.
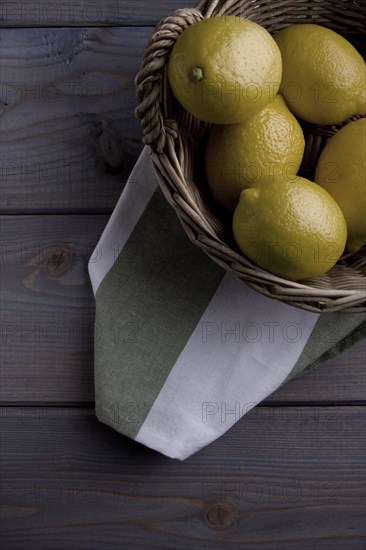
(184,350)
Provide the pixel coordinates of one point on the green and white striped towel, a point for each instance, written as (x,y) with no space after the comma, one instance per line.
(182,349)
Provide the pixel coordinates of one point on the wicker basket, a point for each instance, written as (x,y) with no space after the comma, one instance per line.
(176,140)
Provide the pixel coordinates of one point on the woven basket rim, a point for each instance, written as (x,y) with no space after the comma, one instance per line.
(170,138)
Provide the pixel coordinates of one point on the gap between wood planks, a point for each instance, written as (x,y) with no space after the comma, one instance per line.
(266,404)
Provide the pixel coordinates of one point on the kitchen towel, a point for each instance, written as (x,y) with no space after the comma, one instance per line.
(183,350)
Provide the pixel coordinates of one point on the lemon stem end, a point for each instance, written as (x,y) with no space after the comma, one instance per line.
(196,74)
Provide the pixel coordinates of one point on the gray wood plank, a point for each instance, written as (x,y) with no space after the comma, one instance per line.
(336,380)
(69,137)
(47,324)
(15,13)
(291,478)
(47,307)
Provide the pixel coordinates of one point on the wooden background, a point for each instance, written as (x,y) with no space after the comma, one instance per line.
(290,475)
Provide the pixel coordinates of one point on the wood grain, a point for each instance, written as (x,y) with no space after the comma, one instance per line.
(335,381)
(87,13)
(47,325)
(69,135)
(288,477)
(47,307)
(280,478)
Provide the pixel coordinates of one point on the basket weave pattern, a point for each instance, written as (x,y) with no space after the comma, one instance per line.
(176,140)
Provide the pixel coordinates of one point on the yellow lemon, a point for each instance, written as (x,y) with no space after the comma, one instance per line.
(224,69)
(294,229)
(341,170)
(239,155)
(324,77)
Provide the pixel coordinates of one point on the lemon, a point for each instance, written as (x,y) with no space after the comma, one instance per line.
(224,69)
(341,170)
(294,229)
(239,155)
(324,76)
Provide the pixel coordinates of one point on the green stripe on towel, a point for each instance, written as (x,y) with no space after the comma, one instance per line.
(142,328)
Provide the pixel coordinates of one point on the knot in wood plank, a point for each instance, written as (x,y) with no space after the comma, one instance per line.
(220,515)
(58,260)
(111,148)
